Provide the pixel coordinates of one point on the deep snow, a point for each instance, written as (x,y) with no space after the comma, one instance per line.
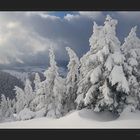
(81,119)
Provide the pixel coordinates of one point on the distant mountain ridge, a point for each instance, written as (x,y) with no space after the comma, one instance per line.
(7,84)
(9,78)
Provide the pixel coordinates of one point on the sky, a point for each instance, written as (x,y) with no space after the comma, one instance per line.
(25,37)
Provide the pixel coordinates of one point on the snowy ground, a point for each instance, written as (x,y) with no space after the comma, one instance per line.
(81,119)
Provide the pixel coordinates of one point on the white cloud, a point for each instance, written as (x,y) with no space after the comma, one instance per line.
(86,14)
(42,15)
(70,17)
(91,14)
(26,36)
(32,13)
(18,42)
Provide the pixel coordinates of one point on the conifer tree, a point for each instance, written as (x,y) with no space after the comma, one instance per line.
(99,85)
(5,108)
(20,99)
(55,87)
(72,79)
(50,92)
(24,97)
(131,51)
(37,81)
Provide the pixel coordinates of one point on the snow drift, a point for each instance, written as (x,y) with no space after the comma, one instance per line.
(81,119)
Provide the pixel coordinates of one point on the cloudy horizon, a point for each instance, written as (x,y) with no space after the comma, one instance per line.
(25,37)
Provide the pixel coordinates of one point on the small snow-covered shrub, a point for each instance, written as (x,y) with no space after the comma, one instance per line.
(51,114)
(25,114)
(41,113)
(128,112)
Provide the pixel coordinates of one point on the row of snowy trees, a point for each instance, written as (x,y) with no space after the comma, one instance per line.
(53,97)
(106,78)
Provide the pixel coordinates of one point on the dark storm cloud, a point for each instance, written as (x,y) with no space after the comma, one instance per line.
(26,36)
(72,30)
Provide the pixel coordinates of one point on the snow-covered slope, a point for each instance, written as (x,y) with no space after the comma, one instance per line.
(23,73)
(81,119)
(20,75)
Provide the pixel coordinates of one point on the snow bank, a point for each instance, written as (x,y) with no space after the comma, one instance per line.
(25,114)
(81,119)
(40,113)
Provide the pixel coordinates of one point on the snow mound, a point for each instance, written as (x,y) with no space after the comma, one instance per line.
(25,114)
(40,113)
(129,113)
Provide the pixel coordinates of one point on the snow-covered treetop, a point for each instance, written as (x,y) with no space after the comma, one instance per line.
(19,90)
(53,66)
(105,36)
(96,35)
(133,31)
(110,24)
(28,82)
(73,67)
(96,28)
(131,41)
(28,88)
(73,57)
(37,78)
(108,18)
(52,58)
(110,32)
(3,97)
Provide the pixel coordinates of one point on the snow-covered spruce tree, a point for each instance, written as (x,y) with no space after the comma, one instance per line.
(55,88)
(39,95)
(72,79)
(5,108)
(29,94)
(131,50)
(20,99)
(50,93)
(103,85)
(39,102)
(43,91)
(37,81)
(24,97)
